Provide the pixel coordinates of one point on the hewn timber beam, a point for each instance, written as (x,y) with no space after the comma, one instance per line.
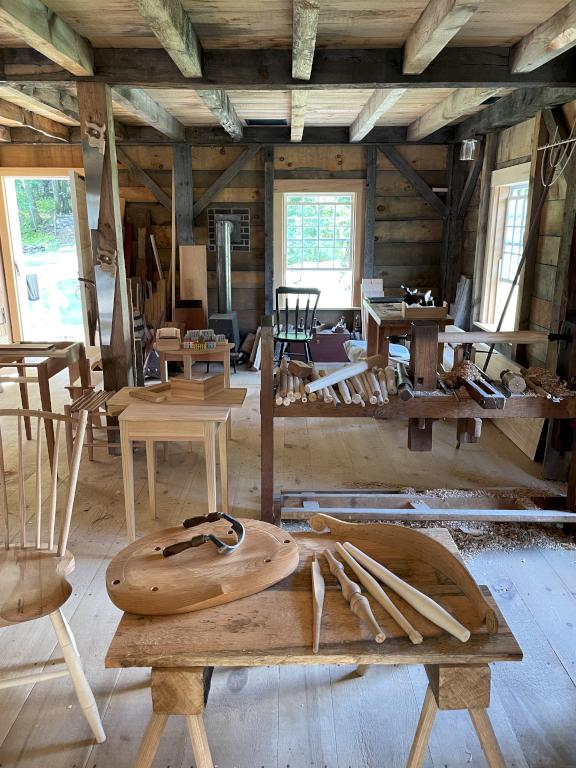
(146,180)
(271,69)
(550,39)
(513,109)
(46,32)
(298,115)
(305,15)
(223,110)
(470,183)
(139,103)
(173,28)
(436,26)
(5,135)
(13,115)
(460,103)
(380,102)
(224,179)
(47,100)
(414,178)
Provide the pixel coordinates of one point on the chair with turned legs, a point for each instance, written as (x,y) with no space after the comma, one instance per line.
(35,560)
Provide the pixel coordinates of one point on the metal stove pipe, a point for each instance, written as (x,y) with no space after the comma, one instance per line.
(223,265)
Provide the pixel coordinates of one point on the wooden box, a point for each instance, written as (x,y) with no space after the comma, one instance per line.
(416,312)
(198,388)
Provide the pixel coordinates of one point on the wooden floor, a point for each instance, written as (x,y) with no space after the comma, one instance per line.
(292,717)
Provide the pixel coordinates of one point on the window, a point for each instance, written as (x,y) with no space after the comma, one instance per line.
(317,245)
(506,232)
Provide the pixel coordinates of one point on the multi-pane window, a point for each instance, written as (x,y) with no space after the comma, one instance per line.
(514,225)
(319,245)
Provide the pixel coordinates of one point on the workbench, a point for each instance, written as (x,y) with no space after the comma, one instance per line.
(275,627)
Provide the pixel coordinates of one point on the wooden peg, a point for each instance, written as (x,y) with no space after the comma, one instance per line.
(383,385)
(372,586)
(358,603)
(345,392)
(300,369)
(317,603)
(390,375)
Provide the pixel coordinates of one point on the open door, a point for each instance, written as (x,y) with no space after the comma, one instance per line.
(84,251)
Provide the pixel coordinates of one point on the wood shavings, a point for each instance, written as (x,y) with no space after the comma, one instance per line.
(549,381)
(460,372)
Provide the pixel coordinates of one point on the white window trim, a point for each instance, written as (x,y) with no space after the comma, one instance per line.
(317,186)
(503,177)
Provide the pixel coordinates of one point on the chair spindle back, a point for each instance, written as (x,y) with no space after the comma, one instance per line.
(311,295)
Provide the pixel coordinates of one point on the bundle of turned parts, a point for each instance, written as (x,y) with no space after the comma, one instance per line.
(369,573)
(361,383)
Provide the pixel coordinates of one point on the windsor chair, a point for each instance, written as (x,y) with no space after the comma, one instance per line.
(34,564)
(295,324)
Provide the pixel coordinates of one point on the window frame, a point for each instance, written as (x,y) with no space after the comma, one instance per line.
(501,183)
(357,188)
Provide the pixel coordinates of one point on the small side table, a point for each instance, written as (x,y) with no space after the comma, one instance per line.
(152,423)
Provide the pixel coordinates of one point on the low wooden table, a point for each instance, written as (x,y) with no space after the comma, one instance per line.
(227,398)
(190,356)
(156,422)
(47,363)
(275,627)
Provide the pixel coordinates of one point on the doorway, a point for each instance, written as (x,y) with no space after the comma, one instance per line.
(40,221)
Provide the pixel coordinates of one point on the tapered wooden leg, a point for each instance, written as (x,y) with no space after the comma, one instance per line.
(90,436)
(25,401)
(46,400)
(151,467)
(150,741)
(163,365)
(187,367)
(210,451)
(422,736)
(361,669)
(81,686)
(128,479)
(487,738)
(199,740)
(226,362)
(223,453)
(69,436)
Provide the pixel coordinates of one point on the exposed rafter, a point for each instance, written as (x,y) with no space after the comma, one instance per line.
(139,103)
(13,115)
(437,25)
(458,104)
(550,39)
(173,27)
(46,100)
(298,115)
(45,31)
(305,15)
(519,106)
(382,100)
(223,110)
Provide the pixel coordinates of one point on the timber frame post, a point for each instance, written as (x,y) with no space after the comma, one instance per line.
(268,230)
(370,211)
(453,227)
(95,106)
(267,509)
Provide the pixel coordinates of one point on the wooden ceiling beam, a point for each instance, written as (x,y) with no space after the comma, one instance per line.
(550,39)
(173,27)
(271,70)
(305,15)
(46,100)
(13,115)
(510,110)
(46,32)
(436,26)
(381,101)
(460,103)
(223,110)
(139,103)
(299,101)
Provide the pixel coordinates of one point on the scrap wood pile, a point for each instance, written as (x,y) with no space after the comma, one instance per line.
(359,383)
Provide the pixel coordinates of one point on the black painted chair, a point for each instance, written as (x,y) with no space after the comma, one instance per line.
(295,315)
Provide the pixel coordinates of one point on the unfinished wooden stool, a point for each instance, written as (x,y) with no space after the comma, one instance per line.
(160,422)
(95,403)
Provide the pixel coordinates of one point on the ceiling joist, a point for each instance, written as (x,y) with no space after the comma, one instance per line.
(223,110)
(305,15)
(460,103)
(552,38)
(46,100)
(380,102)
(173,28)
(143,106)
(298,115)
(46,32)
(13,115)
(437,25)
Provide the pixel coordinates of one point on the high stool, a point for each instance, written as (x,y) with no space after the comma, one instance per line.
(158,422)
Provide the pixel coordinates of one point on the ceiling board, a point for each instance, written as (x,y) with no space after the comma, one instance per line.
(185,106)
(264,105)
(413,104)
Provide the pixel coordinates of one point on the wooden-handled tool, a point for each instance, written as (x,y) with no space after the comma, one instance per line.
(405,388)
(418,600)
(372,586)
(317,603)
(358,603)
(482,391)
(344,373)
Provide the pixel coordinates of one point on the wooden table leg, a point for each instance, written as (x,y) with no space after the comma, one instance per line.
(151,468)
(199,739)
(25,401)
(226,363)
(210,452)
(128,479)
(423,730)
(150,741)
(487,737)
(163,365)
(187,359)
(46,401)
(223,455)
(372,333)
